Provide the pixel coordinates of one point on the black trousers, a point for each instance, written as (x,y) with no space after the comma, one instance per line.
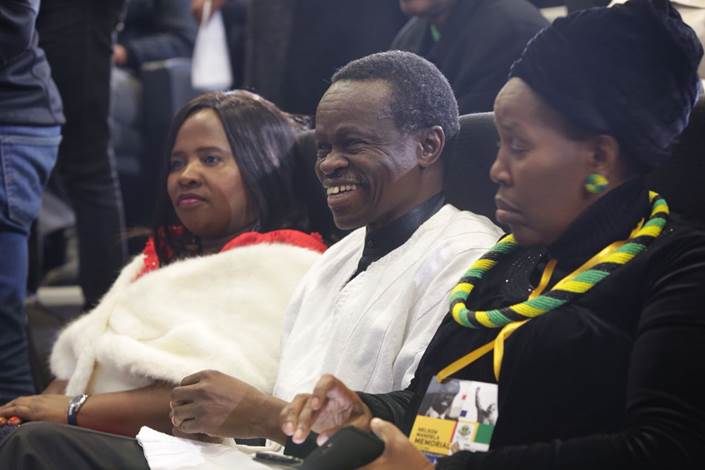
(40,446)
(77,38)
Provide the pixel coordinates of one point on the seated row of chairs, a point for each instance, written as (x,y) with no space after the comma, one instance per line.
(470,155)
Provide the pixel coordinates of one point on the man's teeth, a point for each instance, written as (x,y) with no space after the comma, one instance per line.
(341,189)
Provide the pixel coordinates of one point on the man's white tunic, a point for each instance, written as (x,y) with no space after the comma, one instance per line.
(371,331)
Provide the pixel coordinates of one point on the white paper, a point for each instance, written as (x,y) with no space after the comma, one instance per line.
(166,452)
(210,66)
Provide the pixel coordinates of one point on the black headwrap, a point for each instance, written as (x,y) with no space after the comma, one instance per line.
(629,71)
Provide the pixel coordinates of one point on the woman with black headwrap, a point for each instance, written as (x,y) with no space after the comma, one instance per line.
(589,319)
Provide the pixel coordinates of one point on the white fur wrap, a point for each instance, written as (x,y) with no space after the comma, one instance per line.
(222,311)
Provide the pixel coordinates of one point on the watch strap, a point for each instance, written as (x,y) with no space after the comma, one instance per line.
(74,406)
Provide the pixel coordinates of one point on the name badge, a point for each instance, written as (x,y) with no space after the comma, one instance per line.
(455,415)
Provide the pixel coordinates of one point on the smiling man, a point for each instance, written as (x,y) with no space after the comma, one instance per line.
(368,308)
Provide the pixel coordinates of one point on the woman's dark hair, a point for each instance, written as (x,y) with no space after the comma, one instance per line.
(262,139)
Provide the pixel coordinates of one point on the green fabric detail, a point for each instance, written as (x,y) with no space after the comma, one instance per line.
(435,33)
(592,276)
(474,272)
(504,247)
(631,248)
(497,318)
(545,303)
(658,222)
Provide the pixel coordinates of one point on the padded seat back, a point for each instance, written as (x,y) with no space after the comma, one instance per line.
(468,158)
(681,179)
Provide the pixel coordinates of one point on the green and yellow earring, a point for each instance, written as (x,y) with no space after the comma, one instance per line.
(595,183)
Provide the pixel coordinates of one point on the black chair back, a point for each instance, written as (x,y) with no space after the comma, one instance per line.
(681,179)
(468,158)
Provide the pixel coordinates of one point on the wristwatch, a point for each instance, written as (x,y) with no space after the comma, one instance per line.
(74,405)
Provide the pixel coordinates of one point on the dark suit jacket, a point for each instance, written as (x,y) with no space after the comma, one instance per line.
(478,44)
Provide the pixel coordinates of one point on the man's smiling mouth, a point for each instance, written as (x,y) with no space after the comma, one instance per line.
(343,188)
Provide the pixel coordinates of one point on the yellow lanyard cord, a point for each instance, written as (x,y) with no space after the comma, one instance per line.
(497,344)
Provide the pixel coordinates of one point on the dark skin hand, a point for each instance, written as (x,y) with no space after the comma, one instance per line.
(49,407)
(218,405)
(330,407)
(398,451)
(119,413)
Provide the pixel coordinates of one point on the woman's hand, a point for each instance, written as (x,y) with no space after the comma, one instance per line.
(216,404)
(398,451)
(331,406)
(48,407)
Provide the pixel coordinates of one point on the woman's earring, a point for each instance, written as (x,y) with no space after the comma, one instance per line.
(596,183)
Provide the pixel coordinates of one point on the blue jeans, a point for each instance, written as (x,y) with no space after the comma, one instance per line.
(27,156)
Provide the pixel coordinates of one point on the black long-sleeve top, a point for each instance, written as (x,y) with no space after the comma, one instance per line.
(614,380)
(157,30)
(28,96)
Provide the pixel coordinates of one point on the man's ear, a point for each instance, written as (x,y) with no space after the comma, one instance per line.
(431,143)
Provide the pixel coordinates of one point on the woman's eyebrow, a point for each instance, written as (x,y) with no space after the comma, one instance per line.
(212,148)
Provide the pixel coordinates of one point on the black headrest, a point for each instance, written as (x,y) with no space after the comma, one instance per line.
(468,158)
(681,179)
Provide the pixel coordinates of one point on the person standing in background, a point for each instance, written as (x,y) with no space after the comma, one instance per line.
(30,132)
(153,31)
(77,36)
(292,47)
(473,42)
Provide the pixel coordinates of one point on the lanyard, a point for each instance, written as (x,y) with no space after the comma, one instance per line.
(497,344)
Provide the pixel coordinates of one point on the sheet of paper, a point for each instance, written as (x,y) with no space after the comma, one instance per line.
(166,452)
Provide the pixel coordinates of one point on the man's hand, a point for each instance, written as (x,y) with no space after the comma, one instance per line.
(197,7)
(398,451)
(216,404)
(47,407)
(197,437)
(331,406)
